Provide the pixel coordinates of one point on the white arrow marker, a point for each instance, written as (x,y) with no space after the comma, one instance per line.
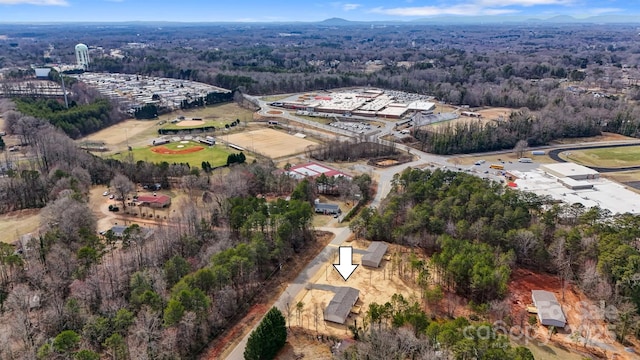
(345,266)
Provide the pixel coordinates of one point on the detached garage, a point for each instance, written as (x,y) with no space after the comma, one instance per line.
(549,309)
(375,253)
(340,306)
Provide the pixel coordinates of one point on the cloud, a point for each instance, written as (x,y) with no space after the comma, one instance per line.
(345,6)
(35,2)
(600,11)
(471,8)
(503,3)
(349,7)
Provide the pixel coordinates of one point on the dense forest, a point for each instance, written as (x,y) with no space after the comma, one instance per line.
(479,230)
(76,121)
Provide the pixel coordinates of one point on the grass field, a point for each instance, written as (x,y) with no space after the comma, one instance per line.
(605,157)
(216,155)
(17,223)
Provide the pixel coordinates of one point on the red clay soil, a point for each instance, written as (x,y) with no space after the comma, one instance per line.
(523,281)
(221,344)
(274,112)
(166,151)
(578,309)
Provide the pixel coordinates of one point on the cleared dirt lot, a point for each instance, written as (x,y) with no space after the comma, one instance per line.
(582,316)
(375,285)
(495,113)
(269,142)
(118,134)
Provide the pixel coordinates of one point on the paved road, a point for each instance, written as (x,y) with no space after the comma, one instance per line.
(341,234)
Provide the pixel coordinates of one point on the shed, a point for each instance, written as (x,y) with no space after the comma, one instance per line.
(118,230)
(340,306)
(549,309)
(375,253)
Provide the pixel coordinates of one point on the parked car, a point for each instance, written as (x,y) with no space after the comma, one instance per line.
(111,196)
(105,193)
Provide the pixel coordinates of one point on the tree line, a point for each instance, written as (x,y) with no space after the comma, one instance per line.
(76,121)
(567,117)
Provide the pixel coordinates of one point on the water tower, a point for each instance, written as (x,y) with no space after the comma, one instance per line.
(82,56)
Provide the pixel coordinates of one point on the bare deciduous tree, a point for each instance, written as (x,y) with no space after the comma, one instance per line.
(520,148)
(122,187)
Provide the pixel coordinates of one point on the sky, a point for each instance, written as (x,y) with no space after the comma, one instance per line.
(297,10)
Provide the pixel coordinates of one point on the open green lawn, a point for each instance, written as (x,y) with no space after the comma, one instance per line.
(605,157)
(215,155)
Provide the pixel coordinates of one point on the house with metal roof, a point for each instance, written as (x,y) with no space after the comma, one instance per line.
(549,309)
(155,201)
(375,253)
(324,208)
(340,306)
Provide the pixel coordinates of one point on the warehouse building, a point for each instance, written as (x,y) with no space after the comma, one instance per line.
(340,306)
(570,170)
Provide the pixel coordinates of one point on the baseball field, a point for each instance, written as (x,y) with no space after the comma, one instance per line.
(179,152)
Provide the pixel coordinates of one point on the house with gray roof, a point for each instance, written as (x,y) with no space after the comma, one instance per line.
(324,208)
(340,306)
(375,253)
(549,309)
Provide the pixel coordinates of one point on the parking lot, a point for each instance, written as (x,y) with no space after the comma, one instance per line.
(352,126)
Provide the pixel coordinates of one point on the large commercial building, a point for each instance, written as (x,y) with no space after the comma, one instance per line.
(364,102)
(570,170)
(573,184)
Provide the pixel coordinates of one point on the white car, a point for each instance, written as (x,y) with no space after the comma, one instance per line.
(105,193)
(111,196)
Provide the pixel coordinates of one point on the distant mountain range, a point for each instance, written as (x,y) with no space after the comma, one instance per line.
(558,19)
(439,20)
